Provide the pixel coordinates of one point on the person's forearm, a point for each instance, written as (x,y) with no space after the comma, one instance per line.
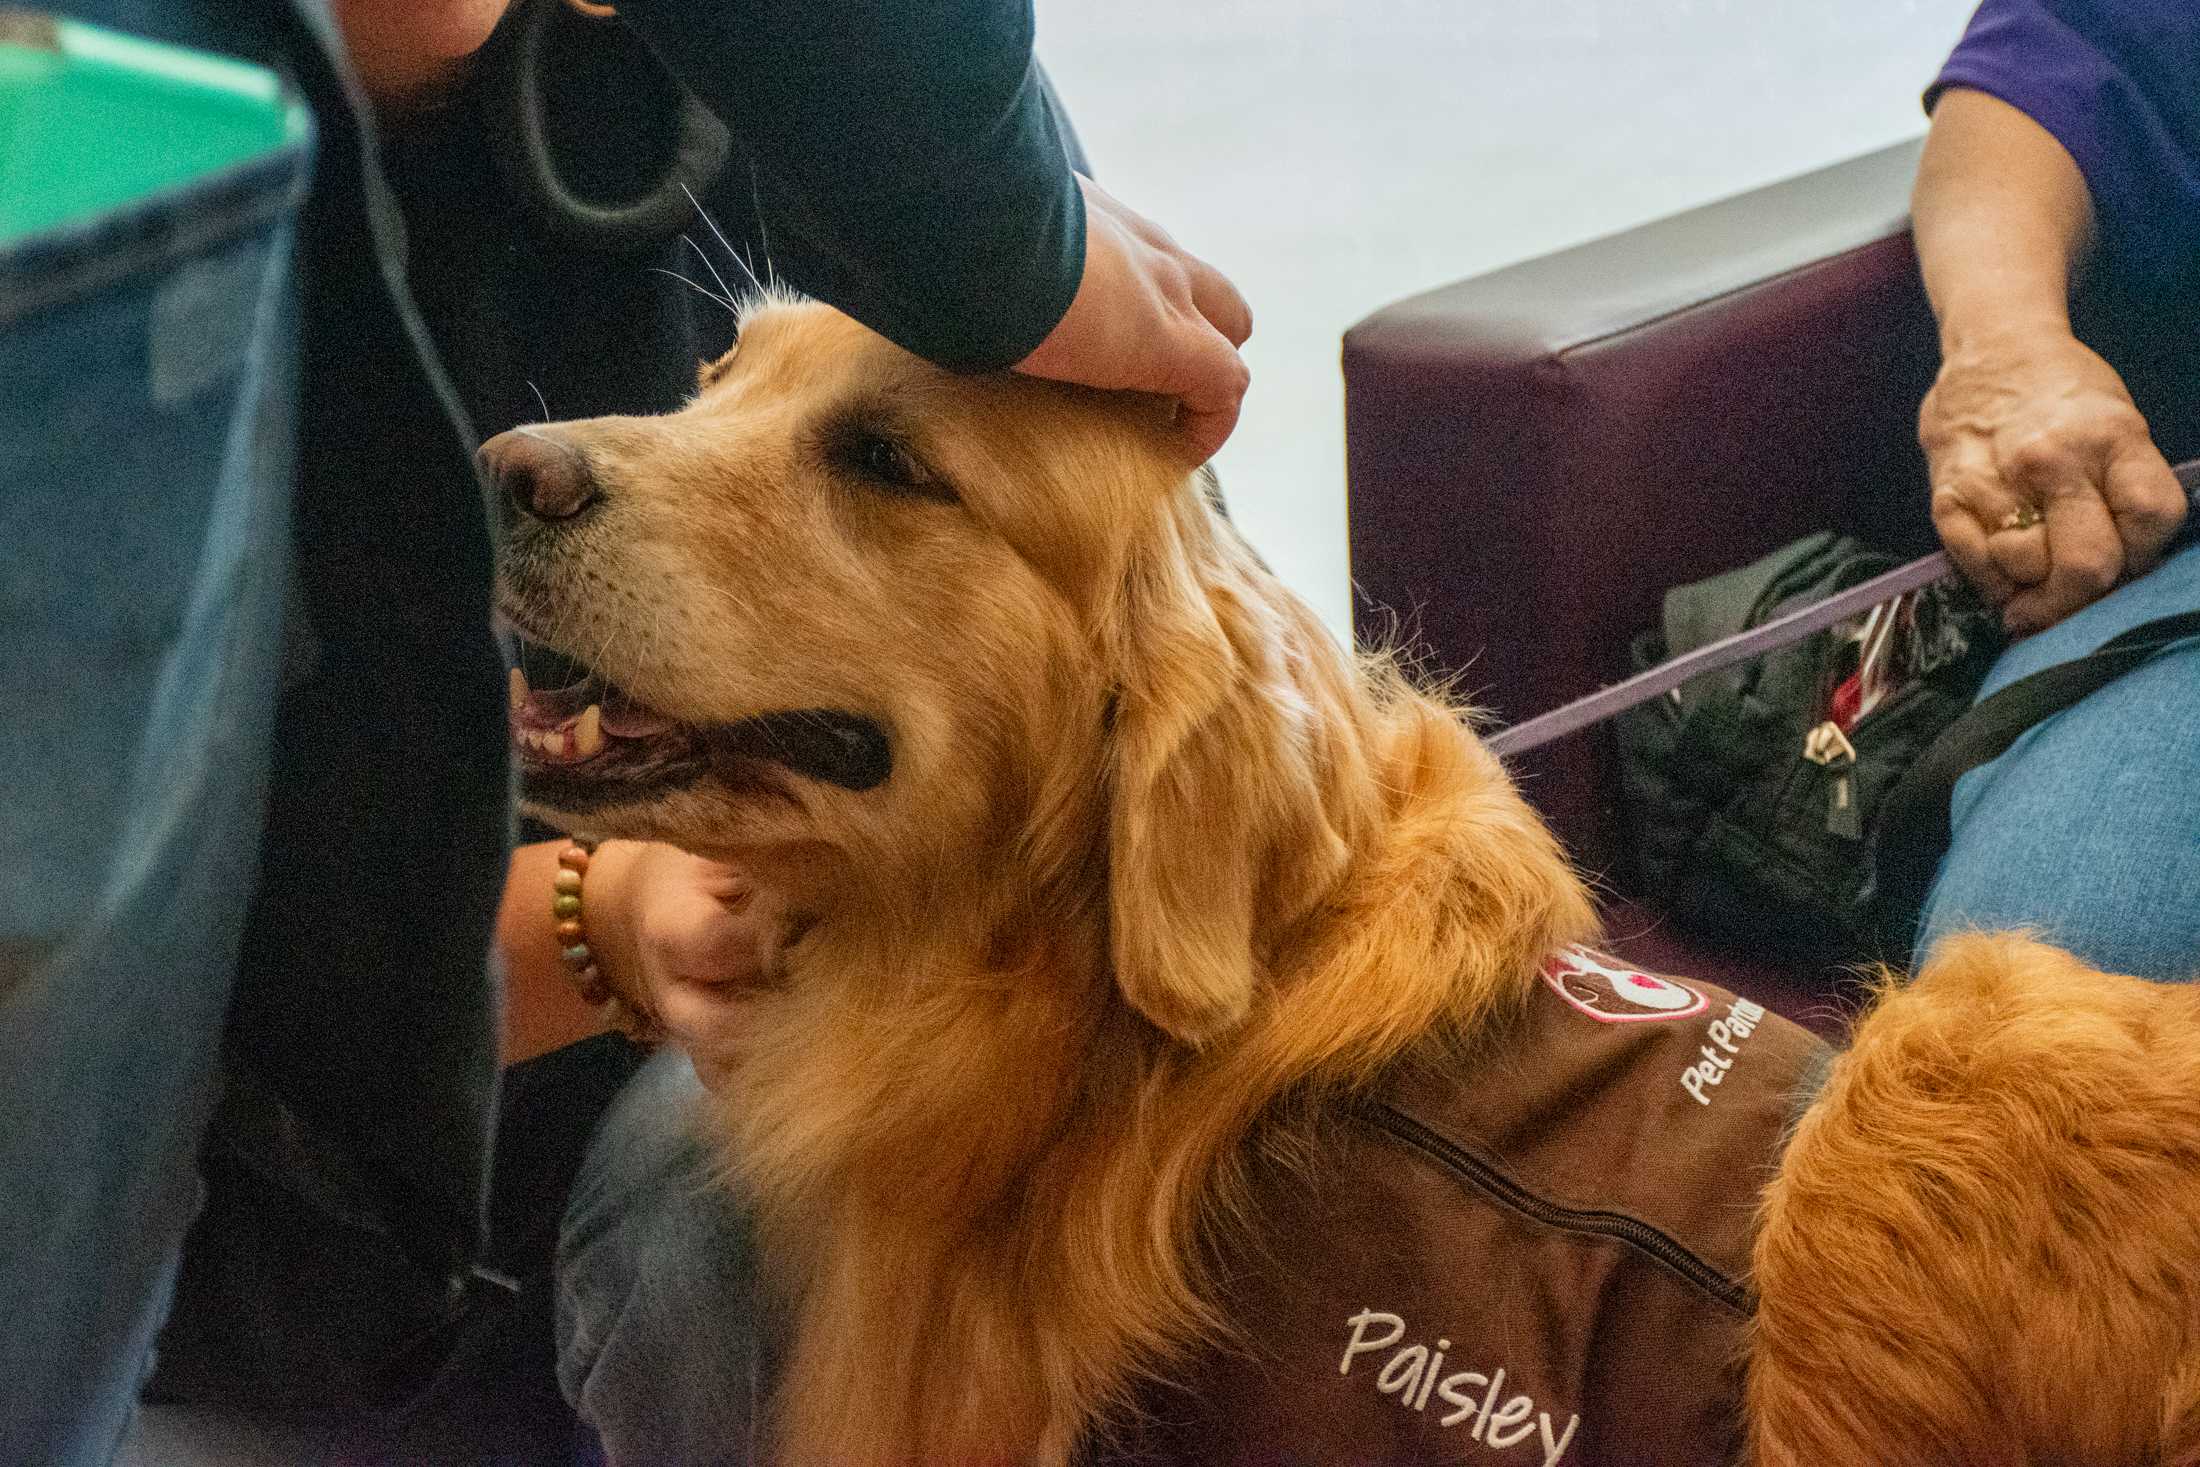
(2002,219)
(909,145)
(542,1009)
(2046,487)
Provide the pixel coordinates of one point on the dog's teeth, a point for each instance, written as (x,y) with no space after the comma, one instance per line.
(588,733)
(518,681)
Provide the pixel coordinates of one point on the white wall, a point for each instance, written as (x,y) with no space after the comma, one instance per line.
(1334,155)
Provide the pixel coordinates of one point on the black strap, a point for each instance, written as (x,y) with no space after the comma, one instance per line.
(1914,829)
(526,70)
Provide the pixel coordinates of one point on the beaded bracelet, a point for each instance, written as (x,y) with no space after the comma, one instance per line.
(578,957)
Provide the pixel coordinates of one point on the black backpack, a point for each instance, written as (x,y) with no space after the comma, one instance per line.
(1751,816)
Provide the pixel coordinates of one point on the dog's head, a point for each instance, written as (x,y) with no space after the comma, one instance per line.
(927,643)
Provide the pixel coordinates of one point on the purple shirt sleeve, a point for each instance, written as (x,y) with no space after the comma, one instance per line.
(2117,83)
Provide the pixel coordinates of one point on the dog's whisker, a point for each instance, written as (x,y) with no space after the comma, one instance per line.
(763,228)
(539,398)
(725,594)
(723,242)
(725,290)
(762,290)
(703,291)
(771,277)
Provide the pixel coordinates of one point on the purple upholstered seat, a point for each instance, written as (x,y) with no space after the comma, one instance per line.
(1536,454)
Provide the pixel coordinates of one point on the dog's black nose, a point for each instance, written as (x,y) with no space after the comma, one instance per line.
(540,473)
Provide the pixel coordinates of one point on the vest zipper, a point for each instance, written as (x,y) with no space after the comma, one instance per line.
(1632,1231)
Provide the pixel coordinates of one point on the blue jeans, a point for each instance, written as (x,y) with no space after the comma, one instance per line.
(147,386)
(2088,829)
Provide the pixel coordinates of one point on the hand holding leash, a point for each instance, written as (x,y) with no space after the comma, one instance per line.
(2047,489)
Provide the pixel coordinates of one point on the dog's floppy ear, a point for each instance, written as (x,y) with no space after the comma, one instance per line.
(1220,767)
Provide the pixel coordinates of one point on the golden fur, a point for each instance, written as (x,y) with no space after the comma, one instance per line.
(1983,1247)
(1152,862)
(1157,870)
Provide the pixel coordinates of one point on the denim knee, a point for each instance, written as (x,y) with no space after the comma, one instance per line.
(658,1319)
(2088,829)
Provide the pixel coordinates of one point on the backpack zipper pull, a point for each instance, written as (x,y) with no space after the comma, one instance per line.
(1828,747)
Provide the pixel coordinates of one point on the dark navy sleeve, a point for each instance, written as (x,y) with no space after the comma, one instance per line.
(908,149)
(2117,82)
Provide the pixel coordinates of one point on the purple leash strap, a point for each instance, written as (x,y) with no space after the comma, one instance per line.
(1782,631)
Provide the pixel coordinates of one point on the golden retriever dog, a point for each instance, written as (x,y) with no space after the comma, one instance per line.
(1110,877)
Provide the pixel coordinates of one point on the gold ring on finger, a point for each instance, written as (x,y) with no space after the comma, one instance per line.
(2023,517)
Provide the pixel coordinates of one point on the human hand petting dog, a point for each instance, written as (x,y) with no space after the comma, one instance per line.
(1151,317)
(1148,315)
(2047,488)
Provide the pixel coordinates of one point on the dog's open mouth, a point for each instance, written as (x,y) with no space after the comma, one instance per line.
(584,743)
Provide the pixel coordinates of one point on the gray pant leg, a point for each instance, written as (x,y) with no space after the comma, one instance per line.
(659,1334)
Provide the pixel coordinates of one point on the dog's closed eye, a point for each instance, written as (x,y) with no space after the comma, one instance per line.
(879,459)
(889,463)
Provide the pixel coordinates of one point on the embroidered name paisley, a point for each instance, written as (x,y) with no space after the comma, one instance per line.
(1417,1375)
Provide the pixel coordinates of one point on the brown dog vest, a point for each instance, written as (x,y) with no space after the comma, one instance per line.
(1534,1252)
